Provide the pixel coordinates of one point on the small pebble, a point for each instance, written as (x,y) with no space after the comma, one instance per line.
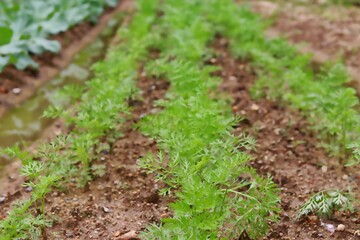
(329,227)
(57,132)
(341,227)
(154,110)
(69,234)
(254,107)
(233,78)
(106,210)
(116,234)
(129,235)
(324,169)
(16,91)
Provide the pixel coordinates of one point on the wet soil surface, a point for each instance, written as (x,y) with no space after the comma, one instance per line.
(328,39)
(17,86)
(288,151)
(126,199)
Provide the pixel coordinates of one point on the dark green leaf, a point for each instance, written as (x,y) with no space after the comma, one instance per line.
(6,34)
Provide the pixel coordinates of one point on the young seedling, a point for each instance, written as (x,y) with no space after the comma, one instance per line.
(330,106)
(203,164)
(102,107)
(325,203)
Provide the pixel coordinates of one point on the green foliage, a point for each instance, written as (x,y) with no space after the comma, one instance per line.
(25,26)
(355,148)
(102,107)
(20,224)
(330,106)
(325,203)
(218,194)
(346,2)
(6,35)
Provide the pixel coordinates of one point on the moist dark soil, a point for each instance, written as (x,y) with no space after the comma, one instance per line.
(50,65)
(289,152)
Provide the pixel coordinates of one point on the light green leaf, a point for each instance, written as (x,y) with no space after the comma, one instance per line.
(39,45)
(24,61)
(12,48)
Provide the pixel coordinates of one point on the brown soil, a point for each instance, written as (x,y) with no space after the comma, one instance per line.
(288,151)
(327,39)
(122,202)
(126,200)
(72,41)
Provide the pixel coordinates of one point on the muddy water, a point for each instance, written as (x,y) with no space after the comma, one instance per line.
(25,124)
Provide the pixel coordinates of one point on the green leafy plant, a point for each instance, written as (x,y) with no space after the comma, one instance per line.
(347,2)
(20,224)
(218,195)
(25,26)
(355,148)
(102,107)
(324,204)
(285,74)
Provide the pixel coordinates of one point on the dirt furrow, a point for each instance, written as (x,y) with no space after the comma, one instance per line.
(125,199)
(288,151)
(326,39)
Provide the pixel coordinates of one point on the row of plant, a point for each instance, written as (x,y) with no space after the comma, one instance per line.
(95,121)
(347,2)
(218,196)
(284,73)
(26,26)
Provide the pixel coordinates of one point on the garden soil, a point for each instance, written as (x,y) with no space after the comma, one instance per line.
(333,37)
(287,151)
(125,200)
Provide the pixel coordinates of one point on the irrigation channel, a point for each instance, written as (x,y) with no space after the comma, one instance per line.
(25,124)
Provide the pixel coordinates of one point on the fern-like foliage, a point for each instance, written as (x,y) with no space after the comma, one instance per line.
(355,148)
(284,74)
(218,195)
(325,203)
(101,109)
